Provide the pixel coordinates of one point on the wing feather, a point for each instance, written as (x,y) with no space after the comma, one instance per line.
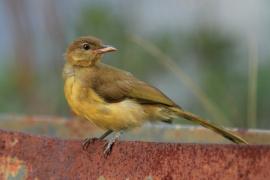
(114,85)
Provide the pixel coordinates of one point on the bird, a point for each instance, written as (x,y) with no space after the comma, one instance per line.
(114,99)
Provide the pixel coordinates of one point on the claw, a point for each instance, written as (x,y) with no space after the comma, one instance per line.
(87,142)
(108,148)
(109,144)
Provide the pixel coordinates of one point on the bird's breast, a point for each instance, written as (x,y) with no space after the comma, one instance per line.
(88,104)
(78,95)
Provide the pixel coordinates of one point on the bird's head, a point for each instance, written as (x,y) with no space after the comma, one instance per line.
(86,51)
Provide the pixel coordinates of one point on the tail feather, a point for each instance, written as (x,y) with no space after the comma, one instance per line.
(189,116)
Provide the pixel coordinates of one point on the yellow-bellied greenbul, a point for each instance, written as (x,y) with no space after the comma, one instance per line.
(114,99)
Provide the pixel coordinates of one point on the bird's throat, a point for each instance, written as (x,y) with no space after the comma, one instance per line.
(68,71)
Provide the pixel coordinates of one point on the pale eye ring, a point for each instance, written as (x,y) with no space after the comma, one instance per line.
(86,46)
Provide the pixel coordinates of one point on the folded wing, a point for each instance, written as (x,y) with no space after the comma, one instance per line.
(115,85)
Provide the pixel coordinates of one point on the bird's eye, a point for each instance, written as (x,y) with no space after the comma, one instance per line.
(86,46)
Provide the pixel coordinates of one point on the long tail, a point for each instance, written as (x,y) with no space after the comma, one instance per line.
(189,116)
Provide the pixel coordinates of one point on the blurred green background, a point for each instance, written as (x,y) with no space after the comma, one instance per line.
(211,57)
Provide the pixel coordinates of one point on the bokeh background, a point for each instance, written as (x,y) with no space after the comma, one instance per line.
(211,57)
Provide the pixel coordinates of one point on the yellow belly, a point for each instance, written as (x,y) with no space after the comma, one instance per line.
(115,116)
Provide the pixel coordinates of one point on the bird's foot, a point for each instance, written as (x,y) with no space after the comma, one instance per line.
(109,144)
(108,148)
(87,142)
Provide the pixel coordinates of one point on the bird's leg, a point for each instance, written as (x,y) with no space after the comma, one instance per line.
(88,141)
(108,146)
(107,133)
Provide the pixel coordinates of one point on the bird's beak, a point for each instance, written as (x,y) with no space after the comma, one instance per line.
(105,49)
